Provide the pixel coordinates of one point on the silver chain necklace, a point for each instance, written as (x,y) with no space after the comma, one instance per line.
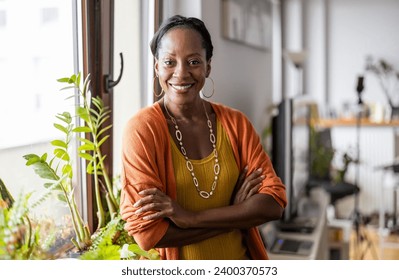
(189,165)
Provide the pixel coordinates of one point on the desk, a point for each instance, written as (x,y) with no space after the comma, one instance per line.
(319,236)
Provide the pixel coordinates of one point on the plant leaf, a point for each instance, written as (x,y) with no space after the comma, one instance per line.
(103,140)
(60,127)
(82,129)
(86,156)
(42,169)
(62,198)
(86,147)
(82,113)
(87,141)
(59,143)
(62,154)
(31,159)
(63,80)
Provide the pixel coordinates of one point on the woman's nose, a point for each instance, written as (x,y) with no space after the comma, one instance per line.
(181,70)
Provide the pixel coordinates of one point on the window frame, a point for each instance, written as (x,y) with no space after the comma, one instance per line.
(98,44)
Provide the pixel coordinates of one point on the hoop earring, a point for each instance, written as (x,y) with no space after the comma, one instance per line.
(213,89)
(153,88)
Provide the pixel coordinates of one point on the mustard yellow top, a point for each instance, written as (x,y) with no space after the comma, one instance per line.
(224,246)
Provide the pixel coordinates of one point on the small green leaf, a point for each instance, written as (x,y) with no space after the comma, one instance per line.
(60,127)
(104,130)
(90,167)
(82,129)
(86,147)
(62,198)
(68,87)
(53,186)
(62,154)
(70,97)
(86,156)
(103,140)
(82,113)
(43,157)
(67,169)
(67,117)
(102,120)
(31,159)
(63,80)
(72,79)
(87,141)
(59,143)
(86,85)
(78,79)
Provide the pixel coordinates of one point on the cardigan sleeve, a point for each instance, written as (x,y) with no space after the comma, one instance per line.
(142,168)
(249,151)
(258,158)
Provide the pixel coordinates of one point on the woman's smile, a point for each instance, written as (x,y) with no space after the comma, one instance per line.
(181,87)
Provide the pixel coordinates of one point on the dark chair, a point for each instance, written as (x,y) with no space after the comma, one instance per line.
(340,190)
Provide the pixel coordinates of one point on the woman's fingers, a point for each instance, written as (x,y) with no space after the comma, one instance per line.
(152,200)
(252,180)
(149,196)
(249,186)
(155,204)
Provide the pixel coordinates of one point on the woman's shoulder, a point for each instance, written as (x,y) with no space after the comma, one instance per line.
(147,119)
(229,114)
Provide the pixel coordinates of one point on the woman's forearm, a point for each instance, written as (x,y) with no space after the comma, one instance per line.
(254,211)
(177,237)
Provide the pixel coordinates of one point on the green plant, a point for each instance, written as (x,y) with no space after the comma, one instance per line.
(20,237)
(321,156)
(94,114)
(110,237)
(113,243)
(58,174)
(388,78)
(339,176)
(59,168)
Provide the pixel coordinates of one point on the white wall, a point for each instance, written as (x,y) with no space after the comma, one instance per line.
(242,74)
(358,29)
(127,92)
(340,34)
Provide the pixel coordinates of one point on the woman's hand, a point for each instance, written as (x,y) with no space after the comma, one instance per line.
(156,205)
(247,186)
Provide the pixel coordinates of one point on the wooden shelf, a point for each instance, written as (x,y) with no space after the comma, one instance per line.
(353,122)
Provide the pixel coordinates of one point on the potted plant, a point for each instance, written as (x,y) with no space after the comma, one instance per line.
(110,236)
(389,82)
(22,238)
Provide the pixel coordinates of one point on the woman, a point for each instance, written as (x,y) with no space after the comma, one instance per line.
(186,189)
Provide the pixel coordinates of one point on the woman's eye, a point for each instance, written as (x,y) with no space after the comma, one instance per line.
(194,62)
(168,62)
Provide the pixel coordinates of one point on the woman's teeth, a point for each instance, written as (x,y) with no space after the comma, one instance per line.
(181,87)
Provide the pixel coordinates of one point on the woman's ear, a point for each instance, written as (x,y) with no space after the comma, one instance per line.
(156,67)
(208,68)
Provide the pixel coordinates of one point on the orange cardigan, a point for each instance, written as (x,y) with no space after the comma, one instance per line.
(147,162)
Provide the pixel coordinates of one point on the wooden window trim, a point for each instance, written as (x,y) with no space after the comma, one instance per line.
(98,48)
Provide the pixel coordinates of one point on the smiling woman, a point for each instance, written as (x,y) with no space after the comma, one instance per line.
(196,181)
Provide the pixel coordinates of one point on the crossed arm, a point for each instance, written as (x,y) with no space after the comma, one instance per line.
(247,209)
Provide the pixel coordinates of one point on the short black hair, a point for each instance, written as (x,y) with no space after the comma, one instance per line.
(183,22)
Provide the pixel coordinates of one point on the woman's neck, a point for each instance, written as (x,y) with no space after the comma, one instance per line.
(184,112)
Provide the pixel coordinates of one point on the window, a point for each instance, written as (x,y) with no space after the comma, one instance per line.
(42,42)
(37,47)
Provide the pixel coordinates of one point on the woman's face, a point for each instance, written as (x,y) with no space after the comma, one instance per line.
(181,65)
